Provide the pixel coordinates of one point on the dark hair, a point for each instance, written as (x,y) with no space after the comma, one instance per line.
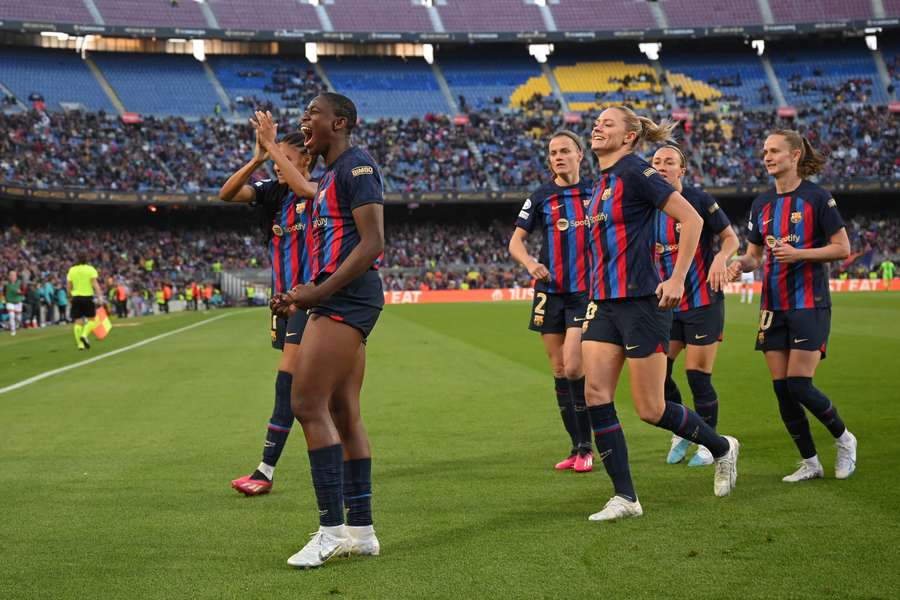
(342,106)
(571,135)
(297,140)
(811,162)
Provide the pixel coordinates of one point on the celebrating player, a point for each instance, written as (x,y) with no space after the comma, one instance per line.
(344,299)
(81,283)
(629,316)
(561,284)
(699,317)
(285,213)
(802,230)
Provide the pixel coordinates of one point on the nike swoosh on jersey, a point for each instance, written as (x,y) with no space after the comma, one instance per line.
(700,337)
(576,319)
(796,341)
(631,347)
(290,334)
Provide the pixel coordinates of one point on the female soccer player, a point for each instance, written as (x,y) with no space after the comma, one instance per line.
(561,284)
(629,316)
(699,317)
(800,226)
(344,299)
(286,216)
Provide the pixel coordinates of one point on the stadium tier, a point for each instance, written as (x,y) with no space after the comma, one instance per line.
(271,14)
(738,77)
(57,76)
(254,81)
(807,11)
(578,15)
(151,14)
(158,85)
(496,15)
(716,13)
(59,11)
(391,15)
(486,83)
(620,77)
(387,87)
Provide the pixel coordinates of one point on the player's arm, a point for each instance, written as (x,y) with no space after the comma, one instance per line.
(747,262)
(369,219)
(519,252)
(718,271)
(235,189)
(676,206)
(266,129)
(838,248)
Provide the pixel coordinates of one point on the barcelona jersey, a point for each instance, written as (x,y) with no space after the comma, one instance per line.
(351,181)
(560,213)
(806,217)
(621,216)
(289,234)
(697,291)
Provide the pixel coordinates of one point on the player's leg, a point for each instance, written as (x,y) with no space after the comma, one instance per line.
(698,363)
(602,366)
(357,460)
(553,346)
(11,311)
(326,360)
(800,371)
(794,418)
(679,446)
(574,372)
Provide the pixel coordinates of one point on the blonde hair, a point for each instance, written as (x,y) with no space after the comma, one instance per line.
(811,161)
(646,129)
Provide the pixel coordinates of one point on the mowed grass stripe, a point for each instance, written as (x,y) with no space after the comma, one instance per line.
(125,483)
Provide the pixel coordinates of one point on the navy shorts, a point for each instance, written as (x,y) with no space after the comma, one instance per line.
(637,324)
(699,326)
(555,313)
(358,304)
(288,331)
(83,307)
(804,329)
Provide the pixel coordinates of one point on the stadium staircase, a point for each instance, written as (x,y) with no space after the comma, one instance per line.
(104,85)
(878,9)
(554,85)
(547,16)
(217,85)
(774,84)
(666,85)
(659,15)
(445,89)
(765,9)
(435,17)
(883,74)
(209,15)
(324,19)
(95,12)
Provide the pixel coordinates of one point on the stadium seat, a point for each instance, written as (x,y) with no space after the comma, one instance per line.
(481,81)
(153,14)
(57,75)
(391,15)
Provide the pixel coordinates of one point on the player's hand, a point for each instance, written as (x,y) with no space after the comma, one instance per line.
(735,269)
(260,155)
(718,274)
(670,292)
(266,127)
(304,296)
(538,271)
(785,253)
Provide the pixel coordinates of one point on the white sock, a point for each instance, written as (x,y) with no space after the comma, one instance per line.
(336,530)
(358,531)
(750,297)
(845,437)
(267,470)
(12,323)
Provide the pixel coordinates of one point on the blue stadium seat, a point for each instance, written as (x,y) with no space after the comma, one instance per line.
(387,87)
(482,80)
(58,75)
(159,84)
(725,65)
(228,69)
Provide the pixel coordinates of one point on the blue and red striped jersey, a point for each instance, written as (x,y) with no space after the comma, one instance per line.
(621,216)
(351,181)
(807,217)
(290,237)
(561,214)
(697,291)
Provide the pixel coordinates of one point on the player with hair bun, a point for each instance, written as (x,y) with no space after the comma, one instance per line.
(798,226)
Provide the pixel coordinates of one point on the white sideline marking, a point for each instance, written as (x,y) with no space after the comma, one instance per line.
(94,359)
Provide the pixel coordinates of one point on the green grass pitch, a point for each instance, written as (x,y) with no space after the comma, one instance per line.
(115,475)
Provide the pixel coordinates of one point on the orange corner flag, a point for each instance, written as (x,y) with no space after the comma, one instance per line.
(102,324)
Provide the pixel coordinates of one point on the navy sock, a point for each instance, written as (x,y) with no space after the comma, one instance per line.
(610,440)
(358,491)
(794,418)
(582,418)
(566,409)
(673,394)
(282,419)
(681,420)
(803,391)
(326,465)
(706,402)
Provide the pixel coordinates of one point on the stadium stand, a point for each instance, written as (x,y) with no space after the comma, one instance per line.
(820,73)
(737,75)
(392,15)
(482,82)
(267,14)
(285,81)
(589,85)
(496,15)
(808,11)
(60,11)
(387,87)
(152,14)
(582,15)
(158,85)
(690,13)
(56,75)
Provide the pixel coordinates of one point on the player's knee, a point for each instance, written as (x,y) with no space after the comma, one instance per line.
(572,371)
(595,396)
(651,413)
